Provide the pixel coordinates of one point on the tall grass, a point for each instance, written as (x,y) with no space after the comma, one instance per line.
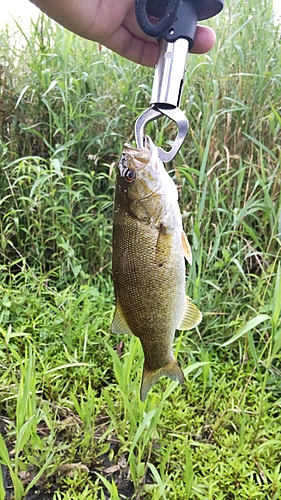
(70,414)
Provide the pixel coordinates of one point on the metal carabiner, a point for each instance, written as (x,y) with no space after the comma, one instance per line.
(176,115)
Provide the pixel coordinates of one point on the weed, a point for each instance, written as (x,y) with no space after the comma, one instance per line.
(70,415)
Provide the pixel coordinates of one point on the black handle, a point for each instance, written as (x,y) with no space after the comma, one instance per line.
(178,18)
(204,8)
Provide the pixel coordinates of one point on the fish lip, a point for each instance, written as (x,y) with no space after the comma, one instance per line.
(147,157)
(137,154)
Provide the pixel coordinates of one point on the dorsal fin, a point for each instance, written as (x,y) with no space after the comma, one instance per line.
(191,316)
(186,248)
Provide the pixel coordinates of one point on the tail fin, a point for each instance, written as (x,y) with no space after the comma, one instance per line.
(149,378)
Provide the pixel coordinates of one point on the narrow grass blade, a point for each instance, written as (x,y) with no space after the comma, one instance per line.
(5,458)
(188,473)
(2,489)
(23,437)
(161,486)
(277,297)
(111,487)
(143,425)
(250,325)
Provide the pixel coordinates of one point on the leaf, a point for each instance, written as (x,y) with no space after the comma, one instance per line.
(188,473)
(143,425)
(261,145)
(240,269)
(51,86)
(161,485)
(23,436)
(111,487)
(5,459)
(277,344)
(21,95)
(2,489)
(253,323)
(277,297)
(67,365)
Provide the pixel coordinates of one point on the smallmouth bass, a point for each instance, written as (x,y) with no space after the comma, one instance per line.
(148,262)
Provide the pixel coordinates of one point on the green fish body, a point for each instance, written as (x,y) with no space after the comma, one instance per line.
(149,251)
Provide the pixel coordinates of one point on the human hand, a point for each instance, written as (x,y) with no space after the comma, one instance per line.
(113,24)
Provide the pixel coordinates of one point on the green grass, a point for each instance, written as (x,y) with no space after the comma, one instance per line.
(72,425)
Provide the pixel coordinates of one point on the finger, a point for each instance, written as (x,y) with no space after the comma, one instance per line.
(133,48)
(204,40)
(142,52)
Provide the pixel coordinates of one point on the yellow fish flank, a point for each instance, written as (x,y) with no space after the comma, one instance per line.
(149,248)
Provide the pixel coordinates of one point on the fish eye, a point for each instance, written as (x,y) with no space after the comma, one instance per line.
(129,175)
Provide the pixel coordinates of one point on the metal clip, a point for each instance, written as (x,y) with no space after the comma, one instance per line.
(166,94)
(154,112)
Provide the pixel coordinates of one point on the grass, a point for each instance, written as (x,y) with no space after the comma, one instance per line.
(72,425)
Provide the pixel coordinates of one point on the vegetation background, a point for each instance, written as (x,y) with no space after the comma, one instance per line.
(72,426)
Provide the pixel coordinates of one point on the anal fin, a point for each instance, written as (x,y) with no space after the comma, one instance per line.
(119,324)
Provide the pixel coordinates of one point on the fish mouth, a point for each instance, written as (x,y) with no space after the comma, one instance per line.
(135,158)
(149,151)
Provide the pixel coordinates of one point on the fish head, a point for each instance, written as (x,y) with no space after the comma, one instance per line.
(143,183)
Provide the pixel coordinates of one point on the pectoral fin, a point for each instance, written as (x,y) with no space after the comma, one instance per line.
(149,377)
(186,248)
(119,324)
(163,247)
(191,316)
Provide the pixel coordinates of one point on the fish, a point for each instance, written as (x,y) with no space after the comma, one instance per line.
(148,262)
